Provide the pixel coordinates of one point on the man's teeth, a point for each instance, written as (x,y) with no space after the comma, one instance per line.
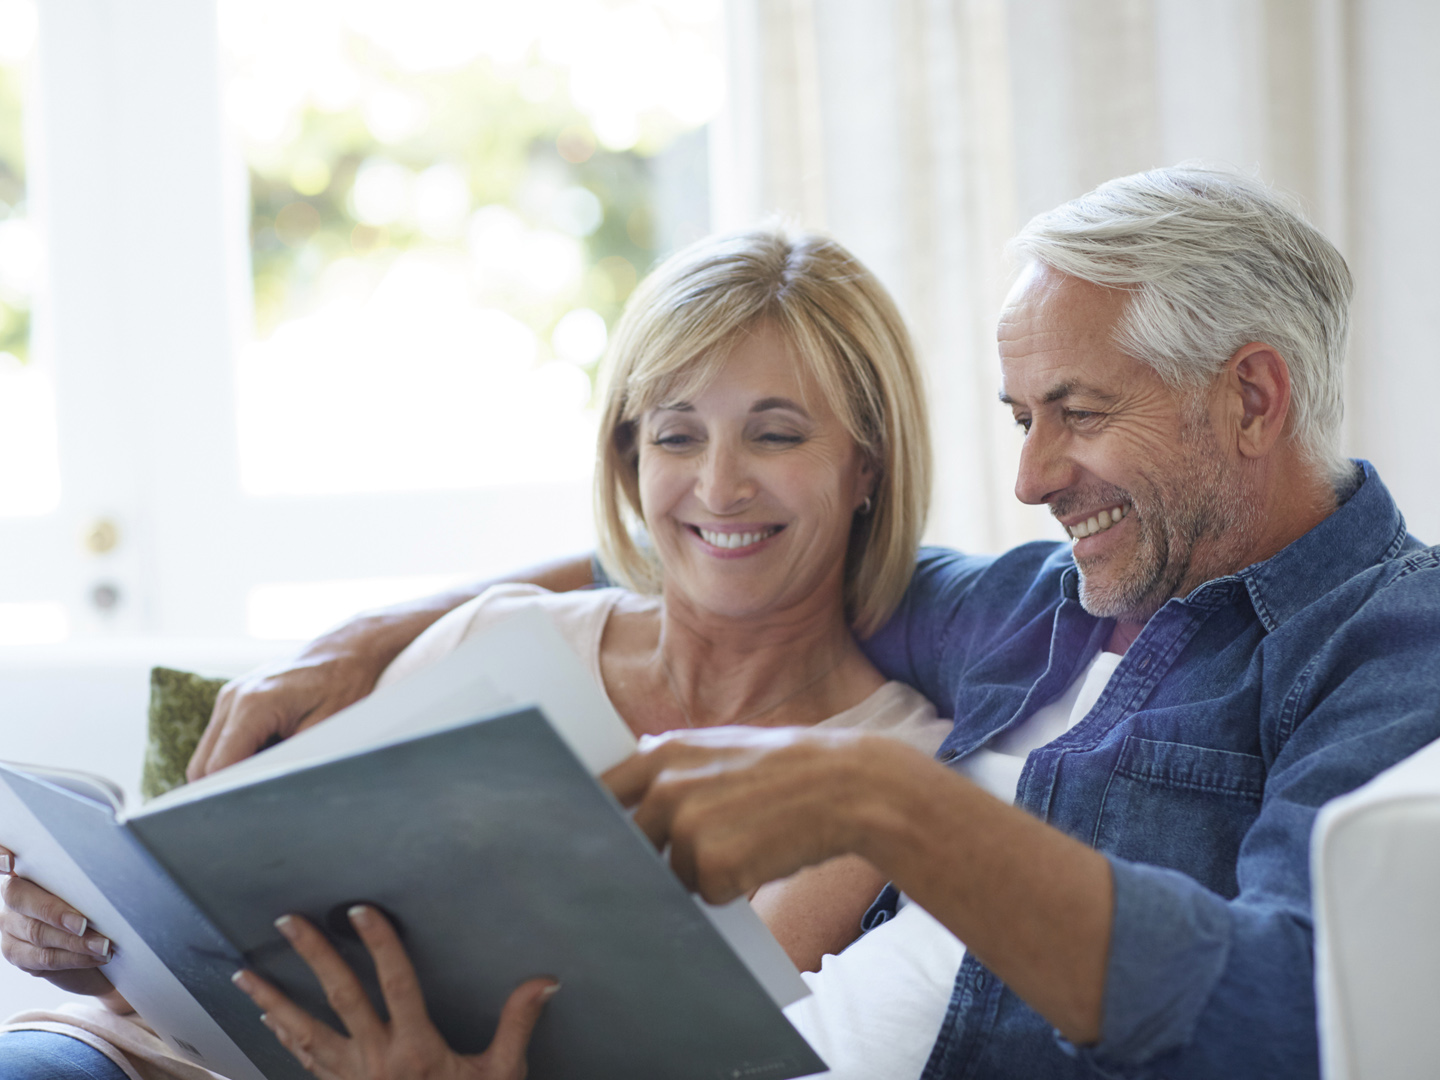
(735,540)
(1099,523)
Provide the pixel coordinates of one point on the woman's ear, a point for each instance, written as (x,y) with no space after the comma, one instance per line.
(1257,388)
(867,482)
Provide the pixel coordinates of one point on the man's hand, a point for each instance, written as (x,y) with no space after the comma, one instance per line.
(742,806)
(43,936)
(338,669)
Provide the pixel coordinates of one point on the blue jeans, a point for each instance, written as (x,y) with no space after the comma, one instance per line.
(45,1055)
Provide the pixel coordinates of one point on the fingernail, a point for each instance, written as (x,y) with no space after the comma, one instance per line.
(358,913)
(286,925)
(549,991)
(240,979)
(7,864)
(99,946)
(76,924)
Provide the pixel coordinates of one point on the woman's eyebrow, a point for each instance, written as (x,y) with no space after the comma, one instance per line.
(766,404)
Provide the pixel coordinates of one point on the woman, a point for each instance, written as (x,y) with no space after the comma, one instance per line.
(764,426)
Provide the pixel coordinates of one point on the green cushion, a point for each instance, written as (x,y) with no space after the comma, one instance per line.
(180,707)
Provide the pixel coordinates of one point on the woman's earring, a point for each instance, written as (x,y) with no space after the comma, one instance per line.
(865,506)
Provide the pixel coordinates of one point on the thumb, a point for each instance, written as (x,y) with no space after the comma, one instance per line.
(506,1056)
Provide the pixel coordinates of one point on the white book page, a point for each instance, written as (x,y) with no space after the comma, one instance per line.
(521,661)
(746,933)
(88,785)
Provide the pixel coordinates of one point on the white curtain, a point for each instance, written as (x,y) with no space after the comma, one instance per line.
(924,133)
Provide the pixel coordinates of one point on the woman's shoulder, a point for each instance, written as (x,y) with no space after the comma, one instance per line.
(579,616)
(897,711)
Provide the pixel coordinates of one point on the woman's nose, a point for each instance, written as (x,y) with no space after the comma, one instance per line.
(1045,466)
(724,482)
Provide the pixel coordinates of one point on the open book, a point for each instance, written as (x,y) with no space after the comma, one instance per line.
(462,802)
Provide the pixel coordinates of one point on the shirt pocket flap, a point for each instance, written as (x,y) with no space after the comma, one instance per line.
(1194,768)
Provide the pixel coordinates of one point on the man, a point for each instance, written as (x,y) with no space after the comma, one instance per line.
(1172,350)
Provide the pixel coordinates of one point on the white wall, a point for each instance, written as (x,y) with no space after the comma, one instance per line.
(1394,379)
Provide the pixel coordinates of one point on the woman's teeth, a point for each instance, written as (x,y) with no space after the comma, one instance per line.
(1099,523)
(736,540)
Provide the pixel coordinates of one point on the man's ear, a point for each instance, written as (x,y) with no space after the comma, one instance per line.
(1257,381)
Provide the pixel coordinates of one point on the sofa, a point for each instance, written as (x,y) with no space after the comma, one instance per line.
(1375,864)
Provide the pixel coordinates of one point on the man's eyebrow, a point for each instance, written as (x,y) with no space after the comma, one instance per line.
(1063,391)
(766,404)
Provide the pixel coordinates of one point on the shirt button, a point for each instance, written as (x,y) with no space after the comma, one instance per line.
(980,982)
(949,755)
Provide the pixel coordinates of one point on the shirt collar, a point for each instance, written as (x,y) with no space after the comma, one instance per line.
(1365,530)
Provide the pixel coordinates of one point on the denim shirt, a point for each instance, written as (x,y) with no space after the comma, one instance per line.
(1238,711)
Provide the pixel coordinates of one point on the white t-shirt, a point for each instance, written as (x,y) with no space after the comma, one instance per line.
(895,709)
(876,1008)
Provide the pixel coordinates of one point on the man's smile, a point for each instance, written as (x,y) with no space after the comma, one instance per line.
(1096,523)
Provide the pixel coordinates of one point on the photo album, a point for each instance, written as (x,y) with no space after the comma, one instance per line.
(462,802)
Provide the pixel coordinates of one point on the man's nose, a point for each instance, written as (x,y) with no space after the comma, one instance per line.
(1045,466)
(725,482)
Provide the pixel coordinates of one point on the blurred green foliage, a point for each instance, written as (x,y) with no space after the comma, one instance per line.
(515,150)
(14,309)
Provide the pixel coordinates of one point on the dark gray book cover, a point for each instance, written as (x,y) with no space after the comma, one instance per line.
(500,858)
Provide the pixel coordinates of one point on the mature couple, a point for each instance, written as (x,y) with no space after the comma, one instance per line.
(1146,720)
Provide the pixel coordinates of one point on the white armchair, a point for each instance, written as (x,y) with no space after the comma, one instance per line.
(1375,861)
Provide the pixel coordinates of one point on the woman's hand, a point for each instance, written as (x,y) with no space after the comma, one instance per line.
(408,1047)
(43,936)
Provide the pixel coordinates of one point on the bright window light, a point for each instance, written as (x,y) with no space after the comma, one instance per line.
(300,610)
(33,624)
(450,204)
(29,450)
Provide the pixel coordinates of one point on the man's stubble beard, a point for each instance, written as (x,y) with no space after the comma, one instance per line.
(1188,531)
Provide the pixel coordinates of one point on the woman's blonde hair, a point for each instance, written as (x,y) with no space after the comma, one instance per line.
(843,327)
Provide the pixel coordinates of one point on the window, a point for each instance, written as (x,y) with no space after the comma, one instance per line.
(323,288)
(450,203)
(29,463)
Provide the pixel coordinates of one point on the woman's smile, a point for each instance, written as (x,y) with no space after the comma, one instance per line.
(731,541)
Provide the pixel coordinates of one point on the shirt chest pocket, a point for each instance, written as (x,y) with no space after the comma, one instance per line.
(1182,807)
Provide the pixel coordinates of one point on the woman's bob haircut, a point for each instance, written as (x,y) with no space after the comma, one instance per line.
(843,328)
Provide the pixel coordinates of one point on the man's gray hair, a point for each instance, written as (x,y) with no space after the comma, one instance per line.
(1213,260)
